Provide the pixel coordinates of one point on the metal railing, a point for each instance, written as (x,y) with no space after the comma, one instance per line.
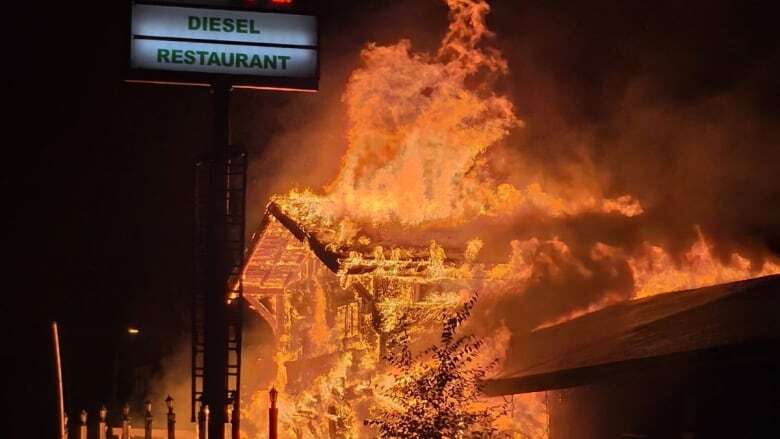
(102,429)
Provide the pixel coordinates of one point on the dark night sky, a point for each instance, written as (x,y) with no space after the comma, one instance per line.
(97,173)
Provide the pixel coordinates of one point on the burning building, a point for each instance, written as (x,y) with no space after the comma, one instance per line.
(419,217)
(331,306)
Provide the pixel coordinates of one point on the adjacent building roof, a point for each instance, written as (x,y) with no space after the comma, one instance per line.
(694,325)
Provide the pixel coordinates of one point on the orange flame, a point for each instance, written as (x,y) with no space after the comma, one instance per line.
(656,272)
(419,127)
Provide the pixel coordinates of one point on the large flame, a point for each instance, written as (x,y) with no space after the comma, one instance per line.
(416,131)
(419,127)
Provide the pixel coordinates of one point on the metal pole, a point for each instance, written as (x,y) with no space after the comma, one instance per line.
(203,422)
(273,416)
(58,366)
(217,270)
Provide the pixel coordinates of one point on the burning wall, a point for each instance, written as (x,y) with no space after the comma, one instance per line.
(331,307)
(425,210)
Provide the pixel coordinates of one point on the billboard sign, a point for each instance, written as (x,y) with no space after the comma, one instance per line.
(243,47)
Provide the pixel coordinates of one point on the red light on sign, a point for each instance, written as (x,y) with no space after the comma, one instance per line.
(281,2)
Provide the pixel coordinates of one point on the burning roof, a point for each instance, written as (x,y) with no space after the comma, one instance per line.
(370,249)
(698,324)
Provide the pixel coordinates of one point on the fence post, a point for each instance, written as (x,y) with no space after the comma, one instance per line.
(126,422)
(273,414)
(102,423)
(148,420)
(203,422)
(171,418)
(83,428)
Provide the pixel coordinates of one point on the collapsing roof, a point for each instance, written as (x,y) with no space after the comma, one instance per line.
(704,324)
(271,254)
(290,236)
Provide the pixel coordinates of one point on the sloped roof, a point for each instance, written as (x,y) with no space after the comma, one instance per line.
(277,254)
(268,245)
(699,324)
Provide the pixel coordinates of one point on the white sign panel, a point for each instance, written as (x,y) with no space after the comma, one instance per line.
(223,58)
(221,25)
(223,42)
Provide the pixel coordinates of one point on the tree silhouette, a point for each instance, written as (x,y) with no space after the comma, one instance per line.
(435,393)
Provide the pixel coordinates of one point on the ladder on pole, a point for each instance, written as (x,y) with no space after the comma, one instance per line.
(235,167)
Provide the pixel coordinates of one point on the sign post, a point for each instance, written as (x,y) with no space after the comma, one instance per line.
(223,48)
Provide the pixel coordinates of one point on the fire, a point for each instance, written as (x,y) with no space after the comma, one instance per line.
(656,272)
(420,127)
(416,131)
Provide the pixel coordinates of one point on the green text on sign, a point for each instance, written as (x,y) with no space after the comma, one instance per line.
(219,24)
(224,59)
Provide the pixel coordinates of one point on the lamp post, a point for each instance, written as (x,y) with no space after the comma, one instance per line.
(203,422)
(148,420)
(83,427)
(126,434)
(102,422)
(171,418)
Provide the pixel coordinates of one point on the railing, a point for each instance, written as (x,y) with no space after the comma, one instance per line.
(125,430)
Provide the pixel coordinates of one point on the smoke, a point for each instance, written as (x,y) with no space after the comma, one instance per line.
(174,381)
(670,110)
(610,110)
